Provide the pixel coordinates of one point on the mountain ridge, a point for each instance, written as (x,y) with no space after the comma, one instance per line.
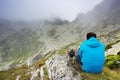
(27,49)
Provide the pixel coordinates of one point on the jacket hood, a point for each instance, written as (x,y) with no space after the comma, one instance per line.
(92,42)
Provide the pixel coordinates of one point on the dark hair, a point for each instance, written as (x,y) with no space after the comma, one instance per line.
(90,34)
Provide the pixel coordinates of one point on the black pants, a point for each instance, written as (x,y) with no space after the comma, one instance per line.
(78,59)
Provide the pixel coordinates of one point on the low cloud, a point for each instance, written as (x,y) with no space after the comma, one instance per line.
(44,9)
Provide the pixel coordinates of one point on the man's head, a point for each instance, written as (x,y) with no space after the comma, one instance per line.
(90,34)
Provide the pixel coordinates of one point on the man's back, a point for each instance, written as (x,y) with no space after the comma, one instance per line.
(92,55)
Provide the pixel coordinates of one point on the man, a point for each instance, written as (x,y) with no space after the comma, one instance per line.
(91,55)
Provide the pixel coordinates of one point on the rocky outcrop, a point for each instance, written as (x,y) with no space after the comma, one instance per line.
(58,68)
(8,66)
(35,74)
(42,72)
(33,59)
(107,12)
(18,77)
(114,50)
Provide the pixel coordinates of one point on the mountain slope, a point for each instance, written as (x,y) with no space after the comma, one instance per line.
(107,12)
(57,64)
(25,52)
(24,45)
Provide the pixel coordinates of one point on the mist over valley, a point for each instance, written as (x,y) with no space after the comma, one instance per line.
(25,40)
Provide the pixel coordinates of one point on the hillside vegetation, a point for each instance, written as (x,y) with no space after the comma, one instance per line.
(25,71)
(25,48)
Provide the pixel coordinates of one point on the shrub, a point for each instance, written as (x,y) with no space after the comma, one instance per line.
(111,61)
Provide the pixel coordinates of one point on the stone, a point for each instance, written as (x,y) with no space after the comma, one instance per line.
(33,59)
(114,50)
(34,74)
(41,73)
(8,66)
(59,70)
(18,77)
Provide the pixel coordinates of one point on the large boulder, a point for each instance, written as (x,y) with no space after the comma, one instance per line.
(58,68)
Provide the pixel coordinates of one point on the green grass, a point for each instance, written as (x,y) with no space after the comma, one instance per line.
(13,73)
(111,61)
(46,74)
(107,74)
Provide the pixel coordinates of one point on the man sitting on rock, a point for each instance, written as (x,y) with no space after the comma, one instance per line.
(90,55)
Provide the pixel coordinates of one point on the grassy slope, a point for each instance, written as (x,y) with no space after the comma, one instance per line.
(19,45)
(107,74)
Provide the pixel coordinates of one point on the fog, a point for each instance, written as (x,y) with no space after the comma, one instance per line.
(29,10)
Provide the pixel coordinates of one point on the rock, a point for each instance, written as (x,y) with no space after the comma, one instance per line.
(114,50)
(8,66)
(59,70)
(41,73)
(33,59)
(118,62)
(34,74)
(18,77)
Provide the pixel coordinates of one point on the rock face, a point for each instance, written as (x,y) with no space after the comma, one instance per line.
(18,77)
(107,12)
(33,59)
(7,66)
(34,74)
(58,68)
(114,50)
(41,73)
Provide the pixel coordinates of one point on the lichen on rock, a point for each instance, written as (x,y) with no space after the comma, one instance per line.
(58,68)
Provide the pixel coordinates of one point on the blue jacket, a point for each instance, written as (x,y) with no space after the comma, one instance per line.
(92,54)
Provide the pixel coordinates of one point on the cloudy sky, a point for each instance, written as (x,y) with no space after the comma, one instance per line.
(44,9)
